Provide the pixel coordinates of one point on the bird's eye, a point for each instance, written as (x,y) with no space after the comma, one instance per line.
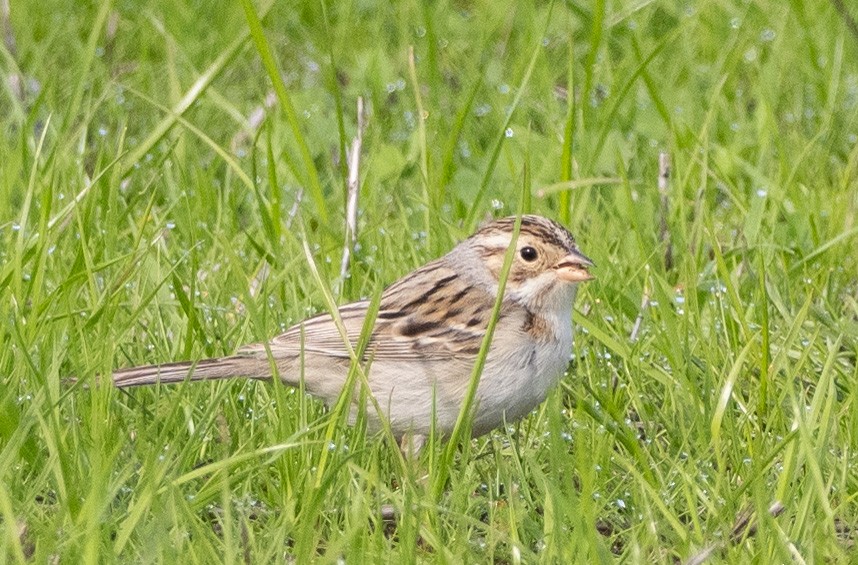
(528,254)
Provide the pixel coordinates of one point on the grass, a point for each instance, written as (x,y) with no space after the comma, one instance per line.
(147,216)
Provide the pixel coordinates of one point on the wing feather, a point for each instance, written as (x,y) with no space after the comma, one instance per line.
(430,313)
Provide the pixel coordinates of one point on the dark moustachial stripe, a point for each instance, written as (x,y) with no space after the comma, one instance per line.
(529,320)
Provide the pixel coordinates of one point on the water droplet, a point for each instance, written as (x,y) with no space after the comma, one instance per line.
(464,149)
(508,132)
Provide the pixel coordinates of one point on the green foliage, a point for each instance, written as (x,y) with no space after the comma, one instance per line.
(147,216)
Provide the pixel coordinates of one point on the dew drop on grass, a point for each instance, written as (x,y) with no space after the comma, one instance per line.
(508,132)
(767,35)
(503,88)
(482,109)
(464,149)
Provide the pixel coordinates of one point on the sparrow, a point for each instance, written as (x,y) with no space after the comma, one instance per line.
(427,335)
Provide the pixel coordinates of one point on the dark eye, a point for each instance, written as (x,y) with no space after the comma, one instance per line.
(528,254)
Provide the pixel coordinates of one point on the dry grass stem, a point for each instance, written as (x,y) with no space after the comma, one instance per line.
(353,190)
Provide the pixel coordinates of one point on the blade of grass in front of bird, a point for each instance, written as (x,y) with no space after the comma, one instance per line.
(357,370)
(463,421)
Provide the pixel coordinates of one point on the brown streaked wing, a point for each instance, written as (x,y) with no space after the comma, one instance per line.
(431,313)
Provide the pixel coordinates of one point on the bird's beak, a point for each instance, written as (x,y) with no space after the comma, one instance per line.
(574,267)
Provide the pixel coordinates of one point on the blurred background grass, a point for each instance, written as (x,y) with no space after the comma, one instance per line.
(155,191)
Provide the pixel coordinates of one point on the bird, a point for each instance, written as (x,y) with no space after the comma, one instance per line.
(427,335)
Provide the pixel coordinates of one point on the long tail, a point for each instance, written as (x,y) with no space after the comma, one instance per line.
(206,369)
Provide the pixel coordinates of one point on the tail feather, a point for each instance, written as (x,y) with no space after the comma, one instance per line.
(206,369)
